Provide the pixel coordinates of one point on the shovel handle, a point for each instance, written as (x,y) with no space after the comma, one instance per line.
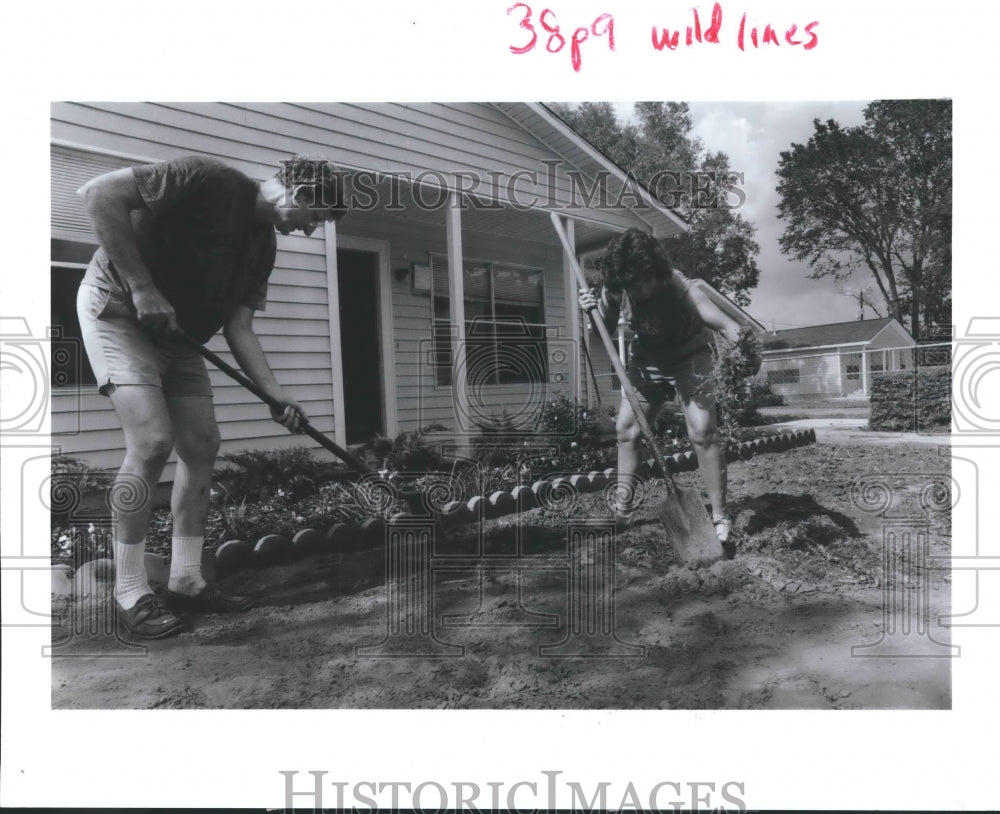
(308,429)
(602,330)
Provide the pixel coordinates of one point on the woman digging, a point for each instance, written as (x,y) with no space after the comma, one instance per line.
(670,356)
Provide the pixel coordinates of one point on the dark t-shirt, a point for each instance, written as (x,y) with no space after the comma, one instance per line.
(667,326)
(205,247)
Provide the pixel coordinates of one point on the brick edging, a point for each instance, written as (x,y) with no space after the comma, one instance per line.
(272,549)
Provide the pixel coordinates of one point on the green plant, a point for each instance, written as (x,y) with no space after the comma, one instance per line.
(734,366)
(409,451)
(257,474)
(78,544)
(564,423)
(912,401)
(500,443)
(670,429)
(238,522)
(74,478)
(568,437)
(761,395)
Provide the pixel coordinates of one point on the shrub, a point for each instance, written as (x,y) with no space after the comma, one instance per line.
(569,434)
(237,522)
(500,443)
(575,434)
(669,422)
(761,395)
(564,423)
(734,394)
(84,478)
(912,401)
(409,451)
(73,480)
(258,474)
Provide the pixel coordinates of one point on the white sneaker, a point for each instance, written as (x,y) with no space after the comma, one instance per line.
(723,526)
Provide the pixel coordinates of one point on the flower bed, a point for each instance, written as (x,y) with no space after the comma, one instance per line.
(340,517)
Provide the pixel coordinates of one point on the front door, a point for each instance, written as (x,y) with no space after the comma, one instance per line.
(360,341)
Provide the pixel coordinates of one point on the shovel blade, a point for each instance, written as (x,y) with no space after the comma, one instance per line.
(689,528)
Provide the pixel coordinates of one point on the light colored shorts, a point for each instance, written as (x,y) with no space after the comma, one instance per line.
(121,353)
(659,383)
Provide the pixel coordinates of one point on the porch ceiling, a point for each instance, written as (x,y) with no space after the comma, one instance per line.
(428,207)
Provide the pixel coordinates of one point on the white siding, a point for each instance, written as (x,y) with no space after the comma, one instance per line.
(294,330)
(419,400)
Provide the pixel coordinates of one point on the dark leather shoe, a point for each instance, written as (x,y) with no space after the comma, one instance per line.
(210,599)
(149,618)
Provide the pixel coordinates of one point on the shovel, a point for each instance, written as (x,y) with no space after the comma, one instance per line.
(682,512)
(308,429)
(413,499)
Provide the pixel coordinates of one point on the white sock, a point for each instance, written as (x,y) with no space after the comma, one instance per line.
(185,565)
(131,582)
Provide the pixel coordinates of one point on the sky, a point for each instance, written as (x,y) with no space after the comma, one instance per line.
(753,134)
(454,50)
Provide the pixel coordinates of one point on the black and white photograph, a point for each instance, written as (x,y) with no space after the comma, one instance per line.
(479,520)
(421,447)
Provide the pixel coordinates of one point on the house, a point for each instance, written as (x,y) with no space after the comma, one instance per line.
(834,361)
(450,226)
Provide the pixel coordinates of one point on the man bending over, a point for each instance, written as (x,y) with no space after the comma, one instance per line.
(188,244)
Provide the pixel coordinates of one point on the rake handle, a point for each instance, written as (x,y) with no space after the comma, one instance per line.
(601,328)
(308,429)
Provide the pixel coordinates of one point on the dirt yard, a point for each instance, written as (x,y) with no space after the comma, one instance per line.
(771,628)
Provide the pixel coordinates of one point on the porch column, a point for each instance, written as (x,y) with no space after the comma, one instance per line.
(336,360)
(864,373)
(571,286)
(456,301)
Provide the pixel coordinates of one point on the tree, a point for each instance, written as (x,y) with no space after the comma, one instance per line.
(660,153)
(877,197)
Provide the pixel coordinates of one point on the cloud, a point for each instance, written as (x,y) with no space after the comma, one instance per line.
(753,135)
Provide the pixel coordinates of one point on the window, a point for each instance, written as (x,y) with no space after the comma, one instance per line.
(789,375)
(68,364)
(504,332)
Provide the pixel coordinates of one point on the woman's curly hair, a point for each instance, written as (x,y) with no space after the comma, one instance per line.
(631,257)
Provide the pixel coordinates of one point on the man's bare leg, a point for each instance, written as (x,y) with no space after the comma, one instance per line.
(146,425)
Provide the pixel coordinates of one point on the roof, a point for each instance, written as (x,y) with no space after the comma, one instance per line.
(837,333)
(544,124)
(730,308)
